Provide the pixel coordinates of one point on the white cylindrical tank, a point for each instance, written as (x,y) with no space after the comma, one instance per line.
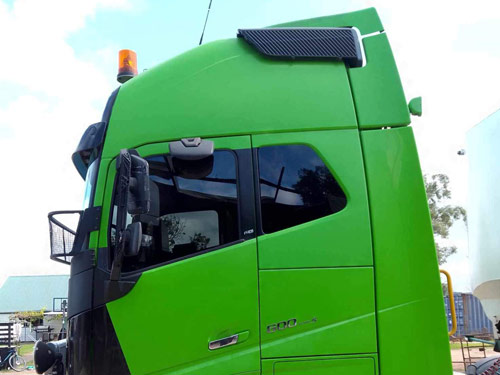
(483,213)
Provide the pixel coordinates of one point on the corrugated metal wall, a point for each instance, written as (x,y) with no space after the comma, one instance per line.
(471,319)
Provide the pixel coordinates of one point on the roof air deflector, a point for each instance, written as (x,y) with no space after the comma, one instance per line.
(336,43)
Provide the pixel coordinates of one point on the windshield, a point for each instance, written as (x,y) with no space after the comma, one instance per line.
(90,183)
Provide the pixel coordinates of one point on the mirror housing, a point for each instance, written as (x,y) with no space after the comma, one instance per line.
(133,197)
(133,238)
(133,177)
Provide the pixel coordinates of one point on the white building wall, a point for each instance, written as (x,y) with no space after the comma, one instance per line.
(4,318)
(483,212)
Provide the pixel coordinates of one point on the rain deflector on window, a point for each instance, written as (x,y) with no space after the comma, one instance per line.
(295,187)
(194,207)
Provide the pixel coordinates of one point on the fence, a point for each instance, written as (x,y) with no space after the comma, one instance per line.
(6,334)
(471,319)
(27,335)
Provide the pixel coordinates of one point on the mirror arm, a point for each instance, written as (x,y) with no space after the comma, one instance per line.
(123,166)
(132,197)
(116,267)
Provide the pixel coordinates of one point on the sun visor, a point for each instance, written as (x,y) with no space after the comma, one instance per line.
(88,147)
(90,144)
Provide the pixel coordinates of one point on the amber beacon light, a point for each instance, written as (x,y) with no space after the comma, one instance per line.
(127,65)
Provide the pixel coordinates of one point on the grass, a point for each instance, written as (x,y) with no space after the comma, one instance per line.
(456,345)
(26,349)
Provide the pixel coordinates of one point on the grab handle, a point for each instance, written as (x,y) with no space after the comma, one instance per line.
(226,341)
(452,303)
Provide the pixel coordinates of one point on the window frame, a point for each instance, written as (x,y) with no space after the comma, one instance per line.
(246,216)
(257,196)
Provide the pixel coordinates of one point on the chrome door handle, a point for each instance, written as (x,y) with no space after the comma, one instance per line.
(226,341)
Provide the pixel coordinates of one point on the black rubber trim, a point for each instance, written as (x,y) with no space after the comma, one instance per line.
(337,43)
(79,354)
(246,204)
(108,354)
(89,222)
(106,291)
(80,292)
(80,283)
(256,179)
(93,347)
(81,262)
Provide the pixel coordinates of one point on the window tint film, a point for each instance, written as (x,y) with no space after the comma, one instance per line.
(295,187)
(194,208)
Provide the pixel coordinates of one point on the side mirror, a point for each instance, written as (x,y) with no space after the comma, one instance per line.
(133,197)
(133,238)
(133,189)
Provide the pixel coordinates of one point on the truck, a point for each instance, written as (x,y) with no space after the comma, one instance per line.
(255,206)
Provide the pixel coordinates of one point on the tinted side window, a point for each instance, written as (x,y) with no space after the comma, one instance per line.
(194,207)
(295,187)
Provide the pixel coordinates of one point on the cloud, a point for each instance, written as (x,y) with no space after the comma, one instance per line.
(448,52)
(57,95)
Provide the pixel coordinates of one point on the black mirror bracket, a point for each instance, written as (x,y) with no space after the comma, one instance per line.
(132,197)
(90,221)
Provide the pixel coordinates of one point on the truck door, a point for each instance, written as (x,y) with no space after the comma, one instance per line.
(194,307)
(315,254)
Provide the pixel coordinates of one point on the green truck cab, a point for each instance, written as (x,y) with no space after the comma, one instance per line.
(256,206)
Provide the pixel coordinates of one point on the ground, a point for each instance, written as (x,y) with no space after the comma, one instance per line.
(456,353)
(26,351)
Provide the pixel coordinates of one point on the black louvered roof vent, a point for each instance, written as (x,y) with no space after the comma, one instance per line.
(307,43)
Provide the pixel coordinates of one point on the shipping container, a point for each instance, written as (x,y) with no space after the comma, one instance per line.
(471,319)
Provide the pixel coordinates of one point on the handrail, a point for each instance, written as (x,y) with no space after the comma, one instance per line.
(474,339)
(452,303)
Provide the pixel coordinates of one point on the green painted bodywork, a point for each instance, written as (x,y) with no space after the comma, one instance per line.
(325,325)
(225,88)
(325,365)
(415,106)
(338,365)
(175,310)
(377,89)
(409,299)
(365,277)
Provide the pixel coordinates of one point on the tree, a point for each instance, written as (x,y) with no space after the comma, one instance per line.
(175,229)
(31,317)
(314,185)
(200,241)
(443,215)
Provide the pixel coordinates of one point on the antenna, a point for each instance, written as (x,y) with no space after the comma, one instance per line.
(206,19)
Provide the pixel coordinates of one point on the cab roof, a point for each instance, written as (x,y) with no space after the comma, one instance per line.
(228,88)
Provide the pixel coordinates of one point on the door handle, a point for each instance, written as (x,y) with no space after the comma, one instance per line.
(226,341)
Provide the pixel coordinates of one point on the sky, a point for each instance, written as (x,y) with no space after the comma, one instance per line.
(58,65)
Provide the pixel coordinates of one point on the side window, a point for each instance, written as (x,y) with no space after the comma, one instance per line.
(194,207)
(295,187)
